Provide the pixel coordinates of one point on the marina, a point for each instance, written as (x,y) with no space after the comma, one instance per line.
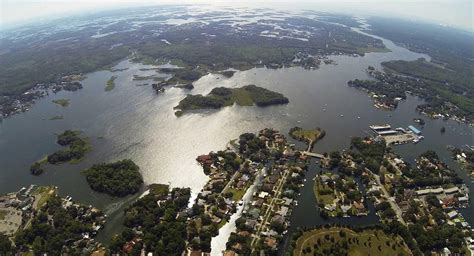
(397,136)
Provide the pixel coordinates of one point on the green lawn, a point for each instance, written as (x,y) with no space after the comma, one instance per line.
(312,134)
(367,242)
(222,223)
(237,194)
(242,97)
(159,189)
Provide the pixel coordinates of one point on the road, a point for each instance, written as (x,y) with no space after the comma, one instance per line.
(394,206)
(230,182)
(270,206)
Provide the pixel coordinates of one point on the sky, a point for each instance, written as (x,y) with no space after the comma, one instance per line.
(455,13)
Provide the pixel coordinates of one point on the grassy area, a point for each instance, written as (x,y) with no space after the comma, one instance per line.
(237,194)
(222,223)
(322,198)
(43,160)
(42,194)
(110,84)
(369,49)
(242,97)
(310,134)
(367,242)
(159,189)
(61,102)
(3,213)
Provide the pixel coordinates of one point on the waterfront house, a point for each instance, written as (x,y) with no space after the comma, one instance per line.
(452,214)
(271,242)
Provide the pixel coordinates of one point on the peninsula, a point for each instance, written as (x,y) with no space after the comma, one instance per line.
(220,97)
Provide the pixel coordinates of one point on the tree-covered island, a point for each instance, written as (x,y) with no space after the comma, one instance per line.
(310,136)
(61,102)
(220,97)
(120,178)
(110,85)
(78,147)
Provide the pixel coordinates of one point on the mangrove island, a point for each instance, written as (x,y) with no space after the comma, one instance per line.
(220,97)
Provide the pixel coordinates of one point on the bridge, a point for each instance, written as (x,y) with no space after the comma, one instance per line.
(311,154)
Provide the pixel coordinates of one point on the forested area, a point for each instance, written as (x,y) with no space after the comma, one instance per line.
(372,153)
(77,147)
(119,178)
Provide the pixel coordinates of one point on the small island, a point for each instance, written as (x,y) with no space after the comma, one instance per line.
(110,84)
(310,136)
(57,117)
(144,78)
(228,73)
(220,97)
(120,178)
(61,102)
(78,147)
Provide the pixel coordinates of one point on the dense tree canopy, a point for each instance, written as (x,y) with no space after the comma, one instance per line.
(117,179)
(5,245)
(78,147)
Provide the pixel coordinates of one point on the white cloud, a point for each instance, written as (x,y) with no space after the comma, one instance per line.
(457,13)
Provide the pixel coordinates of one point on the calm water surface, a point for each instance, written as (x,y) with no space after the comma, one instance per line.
(133,122)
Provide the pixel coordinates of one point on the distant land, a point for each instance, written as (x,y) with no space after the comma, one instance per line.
(48,62)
